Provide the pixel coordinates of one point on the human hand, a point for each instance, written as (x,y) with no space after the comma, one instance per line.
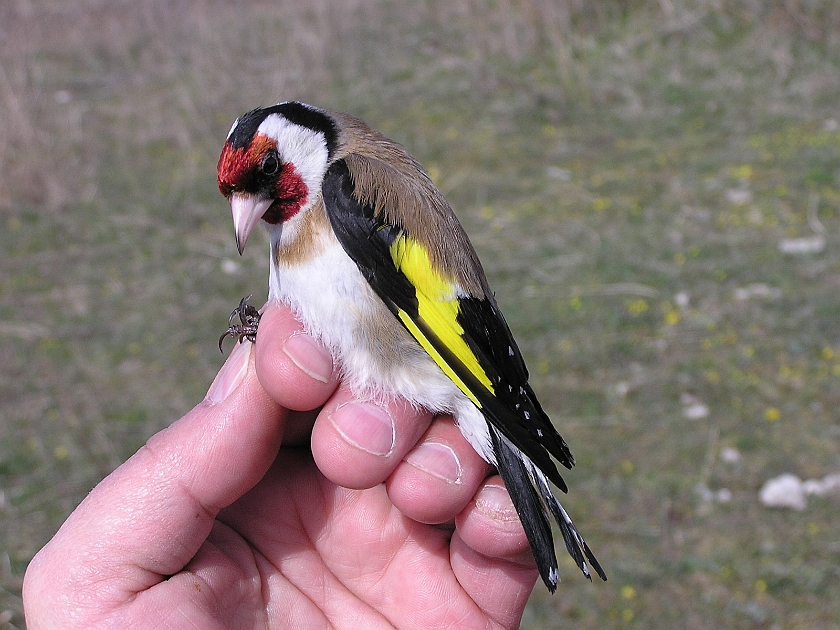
(227,519)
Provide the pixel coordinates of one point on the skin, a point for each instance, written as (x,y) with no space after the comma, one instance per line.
(228,519)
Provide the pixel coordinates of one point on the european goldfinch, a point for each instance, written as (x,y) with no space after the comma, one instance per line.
(372,260)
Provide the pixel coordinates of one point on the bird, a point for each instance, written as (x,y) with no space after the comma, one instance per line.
(371,258)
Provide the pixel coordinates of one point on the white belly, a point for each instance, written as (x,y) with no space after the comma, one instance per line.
(374,352)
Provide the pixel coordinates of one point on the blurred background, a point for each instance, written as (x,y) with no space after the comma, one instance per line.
(653,188)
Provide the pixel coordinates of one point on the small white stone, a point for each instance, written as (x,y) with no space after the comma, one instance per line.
(813,486)
(739,196)
(693,407)
(784,491)
(555,172)
(804,245)
(622,389)
(697,411)
(831,483)
(230,267)
(724,495)
(730,455)
(757,290)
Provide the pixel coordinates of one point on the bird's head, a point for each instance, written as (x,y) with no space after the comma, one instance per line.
(273,163)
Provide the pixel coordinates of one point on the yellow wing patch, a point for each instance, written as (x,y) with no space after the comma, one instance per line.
(438,307)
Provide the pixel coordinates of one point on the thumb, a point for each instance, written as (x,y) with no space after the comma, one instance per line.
(148,518)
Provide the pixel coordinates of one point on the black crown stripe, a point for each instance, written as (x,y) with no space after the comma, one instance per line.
(293,111)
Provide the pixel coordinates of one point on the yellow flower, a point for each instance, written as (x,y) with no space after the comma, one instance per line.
(745,171)
(772,414)
(601,203)
(637,307)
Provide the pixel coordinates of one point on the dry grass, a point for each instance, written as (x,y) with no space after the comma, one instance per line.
(627,170)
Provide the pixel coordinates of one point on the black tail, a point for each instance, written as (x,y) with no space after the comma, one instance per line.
(533,500)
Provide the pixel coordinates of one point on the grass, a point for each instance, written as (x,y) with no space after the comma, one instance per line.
(628,173)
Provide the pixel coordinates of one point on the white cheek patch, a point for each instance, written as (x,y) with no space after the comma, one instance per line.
(303,147)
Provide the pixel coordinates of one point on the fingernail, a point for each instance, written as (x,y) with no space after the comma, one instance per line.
(366,426)
(310,356)
(231,374)
(439,460)
(494,501)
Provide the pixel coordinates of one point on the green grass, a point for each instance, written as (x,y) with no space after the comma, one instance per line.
(623,169)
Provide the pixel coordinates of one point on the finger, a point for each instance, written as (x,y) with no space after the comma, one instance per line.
(294,368)
(490,554)
(148,518)
(439,477)
(359,444)
(491,526)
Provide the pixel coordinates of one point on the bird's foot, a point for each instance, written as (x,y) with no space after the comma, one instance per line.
(247,329)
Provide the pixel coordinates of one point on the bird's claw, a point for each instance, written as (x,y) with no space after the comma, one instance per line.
(247,329)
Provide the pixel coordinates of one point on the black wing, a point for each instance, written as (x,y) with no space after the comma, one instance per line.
(470,340)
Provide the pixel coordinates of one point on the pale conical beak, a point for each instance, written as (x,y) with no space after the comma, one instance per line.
(247,212)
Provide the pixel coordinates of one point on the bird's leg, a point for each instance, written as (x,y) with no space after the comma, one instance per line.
(247,329)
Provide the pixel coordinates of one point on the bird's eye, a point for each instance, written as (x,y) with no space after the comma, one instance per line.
(270,164)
